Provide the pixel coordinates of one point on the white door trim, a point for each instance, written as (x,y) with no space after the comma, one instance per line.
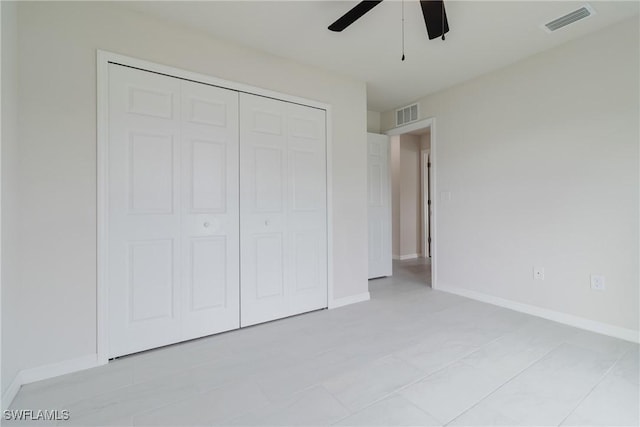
(422,124)
(424,194)
(103,60)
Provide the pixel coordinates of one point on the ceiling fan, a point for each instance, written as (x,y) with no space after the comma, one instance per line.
(435,17)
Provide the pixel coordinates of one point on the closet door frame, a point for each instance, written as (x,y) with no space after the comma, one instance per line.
(104,58)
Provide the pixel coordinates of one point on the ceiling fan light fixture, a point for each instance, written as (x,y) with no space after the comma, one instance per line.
(435,17)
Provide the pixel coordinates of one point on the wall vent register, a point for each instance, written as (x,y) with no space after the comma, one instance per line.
(406,114)
(569,18)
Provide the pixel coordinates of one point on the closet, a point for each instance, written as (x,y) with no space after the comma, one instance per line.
(216,215)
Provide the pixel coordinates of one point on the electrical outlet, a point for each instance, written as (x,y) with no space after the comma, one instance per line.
(538,273)
(597,282)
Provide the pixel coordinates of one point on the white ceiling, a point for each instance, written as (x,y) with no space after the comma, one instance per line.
(484,36)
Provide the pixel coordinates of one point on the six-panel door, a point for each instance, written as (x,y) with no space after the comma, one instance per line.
(283,211)
(173,210)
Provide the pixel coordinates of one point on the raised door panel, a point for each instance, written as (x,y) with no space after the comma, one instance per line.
(144,222)
(307,181)
(210,210)
(269,278)
(208,178)
(149,100)
(307,247)
(150,168)
(375,190)
(208,273)
(268,180)
(151,282)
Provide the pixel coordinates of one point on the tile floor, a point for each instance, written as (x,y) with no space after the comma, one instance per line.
(410,356)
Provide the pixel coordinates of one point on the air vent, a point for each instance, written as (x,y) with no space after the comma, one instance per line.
(569,18)
(407,114)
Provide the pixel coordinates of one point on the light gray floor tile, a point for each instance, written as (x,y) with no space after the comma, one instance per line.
(393,411)
(629,366)
(364,385)
(155,364)
(215,406)
(614,401)
(510,354)
(548,391)
(443,347)
(483,415)
(120,422)
(450,391)
(600,343)
(315,406)
(126,402)
(17,418)
(281,383)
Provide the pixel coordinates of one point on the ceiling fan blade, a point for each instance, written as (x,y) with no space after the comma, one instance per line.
(354,14)
(435,18)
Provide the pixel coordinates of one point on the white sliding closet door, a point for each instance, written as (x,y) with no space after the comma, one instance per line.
(283,218)
(172,210)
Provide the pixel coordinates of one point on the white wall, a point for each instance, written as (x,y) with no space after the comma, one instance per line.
(10,214)
(373,122)
(395,195)
(541,159)
(410,200)
(56,315)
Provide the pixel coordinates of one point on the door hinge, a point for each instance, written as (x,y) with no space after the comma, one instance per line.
(429,202)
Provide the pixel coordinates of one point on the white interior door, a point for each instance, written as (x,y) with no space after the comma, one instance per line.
(283,218)
(379,202)
(173,209)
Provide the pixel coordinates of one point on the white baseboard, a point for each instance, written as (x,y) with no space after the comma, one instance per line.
(40,373)
(556,316)
(406,257)
(11,392)
(352,299)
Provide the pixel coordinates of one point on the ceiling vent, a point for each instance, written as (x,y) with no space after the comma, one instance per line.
(407,114)
(584,12)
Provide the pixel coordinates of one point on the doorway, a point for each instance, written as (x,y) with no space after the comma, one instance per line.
(413,208)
